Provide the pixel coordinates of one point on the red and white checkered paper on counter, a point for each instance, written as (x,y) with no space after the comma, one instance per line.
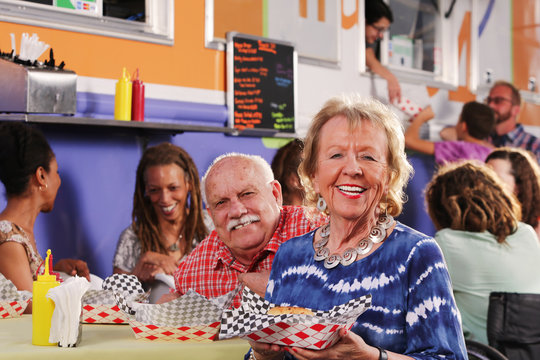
(12,301)
(191,317)
(318,331)
(99,306)
(102,314)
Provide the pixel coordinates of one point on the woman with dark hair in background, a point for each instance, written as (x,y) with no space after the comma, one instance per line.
(378,17)
(485,246)
(519,170)
(167,215)
(285,168)
(29,172)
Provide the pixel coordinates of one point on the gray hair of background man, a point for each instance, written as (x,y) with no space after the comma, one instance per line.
(266,169)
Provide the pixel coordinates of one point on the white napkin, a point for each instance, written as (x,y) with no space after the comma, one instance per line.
(65,323)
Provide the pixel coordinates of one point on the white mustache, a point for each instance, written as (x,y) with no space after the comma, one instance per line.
(246,219)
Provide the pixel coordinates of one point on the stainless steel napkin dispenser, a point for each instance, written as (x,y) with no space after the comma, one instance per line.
(31,89)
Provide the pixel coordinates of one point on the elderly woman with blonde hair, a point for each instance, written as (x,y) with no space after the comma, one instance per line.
(355,168)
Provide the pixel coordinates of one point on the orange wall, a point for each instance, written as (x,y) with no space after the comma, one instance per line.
(186,63)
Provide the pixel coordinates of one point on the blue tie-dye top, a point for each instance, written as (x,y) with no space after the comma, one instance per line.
(413,310)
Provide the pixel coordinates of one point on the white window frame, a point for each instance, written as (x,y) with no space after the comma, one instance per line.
(448,79)
(158,27)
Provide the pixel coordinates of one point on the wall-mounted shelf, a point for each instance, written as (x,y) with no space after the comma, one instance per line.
(145,127)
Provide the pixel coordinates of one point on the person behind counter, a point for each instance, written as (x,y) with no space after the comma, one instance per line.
(485,246)
(167,218)
(378,17)
(518,169)
(355,167)
(29,172)
(285,168)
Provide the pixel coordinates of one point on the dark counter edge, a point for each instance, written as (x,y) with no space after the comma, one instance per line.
(151,127)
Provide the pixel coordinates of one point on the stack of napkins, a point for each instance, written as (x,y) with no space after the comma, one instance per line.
(12,301)
(65,325)
(317,331)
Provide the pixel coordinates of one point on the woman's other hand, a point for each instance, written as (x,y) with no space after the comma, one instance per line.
(167,263)
(350,346)
(145,271)
(73,267)
(394,89)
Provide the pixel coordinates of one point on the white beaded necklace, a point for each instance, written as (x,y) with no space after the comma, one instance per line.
(376,235)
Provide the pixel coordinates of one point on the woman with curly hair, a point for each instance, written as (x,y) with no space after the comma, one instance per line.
(485,246)
(167,215)
(520,171)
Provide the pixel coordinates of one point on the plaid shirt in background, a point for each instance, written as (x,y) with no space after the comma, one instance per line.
(211,269)
(519,138)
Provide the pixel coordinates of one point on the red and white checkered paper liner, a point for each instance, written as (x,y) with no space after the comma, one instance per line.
(103,314)
(201,333)
(191,317)
(11,309)
(12,301)
(319,331)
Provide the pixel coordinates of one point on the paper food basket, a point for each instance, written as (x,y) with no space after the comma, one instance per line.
(12,301)
(99,306)
(318,331)
(191,317)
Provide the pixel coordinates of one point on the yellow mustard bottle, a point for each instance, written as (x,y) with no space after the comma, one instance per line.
(122,97)
(42,307)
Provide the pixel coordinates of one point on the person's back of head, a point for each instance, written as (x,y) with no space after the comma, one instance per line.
(23,149)
(375,10)
(285,168)
(526,174)
(479,118)
(469,196)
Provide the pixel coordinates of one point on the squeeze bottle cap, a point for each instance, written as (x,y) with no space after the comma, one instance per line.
(125,75)
(136,77)
(47,276)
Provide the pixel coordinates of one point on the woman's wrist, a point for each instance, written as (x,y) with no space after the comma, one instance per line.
(383,355)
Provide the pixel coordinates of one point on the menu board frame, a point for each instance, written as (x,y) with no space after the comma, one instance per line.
(285,52)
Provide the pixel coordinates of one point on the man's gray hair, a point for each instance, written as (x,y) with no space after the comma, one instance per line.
(266,169)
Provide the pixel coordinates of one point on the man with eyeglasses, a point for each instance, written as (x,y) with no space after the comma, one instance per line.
(378,17)
(505,101)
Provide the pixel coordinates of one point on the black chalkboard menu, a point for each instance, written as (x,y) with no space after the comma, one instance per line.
(261,85)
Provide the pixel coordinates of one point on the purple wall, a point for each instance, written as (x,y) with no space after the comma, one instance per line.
(98,164)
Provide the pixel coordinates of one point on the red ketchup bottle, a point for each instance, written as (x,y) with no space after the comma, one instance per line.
(137,102)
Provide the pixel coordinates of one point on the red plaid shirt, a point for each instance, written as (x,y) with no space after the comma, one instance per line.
(211,269)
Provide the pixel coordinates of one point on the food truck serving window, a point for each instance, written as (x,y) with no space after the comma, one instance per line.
(142,20)
(416,48)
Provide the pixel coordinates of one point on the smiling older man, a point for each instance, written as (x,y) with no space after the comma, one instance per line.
(245,203)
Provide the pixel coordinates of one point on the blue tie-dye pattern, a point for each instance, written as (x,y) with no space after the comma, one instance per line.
(413,310)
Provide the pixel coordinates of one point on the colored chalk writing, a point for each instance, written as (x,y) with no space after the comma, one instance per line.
(261,81)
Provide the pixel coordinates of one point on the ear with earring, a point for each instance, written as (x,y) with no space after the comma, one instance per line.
(321,204)
(42,188)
